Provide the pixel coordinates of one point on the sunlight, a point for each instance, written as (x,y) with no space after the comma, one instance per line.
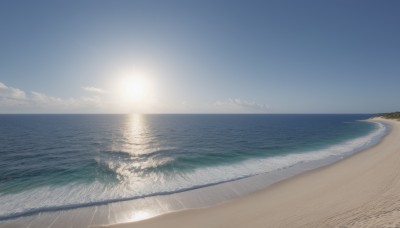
(134,89)
(141,215)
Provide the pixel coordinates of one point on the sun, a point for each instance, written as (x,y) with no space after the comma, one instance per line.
(134,89)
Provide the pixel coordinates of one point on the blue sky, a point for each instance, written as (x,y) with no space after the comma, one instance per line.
(200,56)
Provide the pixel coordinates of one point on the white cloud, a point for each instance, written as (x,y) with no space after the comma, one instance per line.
(94,89)
(240,105)
(96,100)
(17,100)
(10,93)
(40,97)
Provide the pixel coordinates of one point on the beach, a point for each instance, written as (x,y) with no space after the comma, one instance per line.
(362,190)
(170,114)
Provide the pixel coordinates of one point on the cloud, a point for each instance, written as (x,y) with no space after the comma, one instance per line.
(240,105)
(10,93)
(16,100)
(94,89)
(96,100)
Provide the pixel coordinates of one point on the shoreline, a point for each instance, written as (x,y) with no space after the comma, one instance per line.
(322,196)
(138,210)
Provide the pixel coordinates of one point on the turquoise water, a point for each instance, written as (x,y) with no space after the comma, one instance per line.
(52,162)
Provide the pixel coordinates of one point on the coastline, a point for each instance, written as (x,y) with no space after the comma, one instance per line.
(358,191)
(132,211)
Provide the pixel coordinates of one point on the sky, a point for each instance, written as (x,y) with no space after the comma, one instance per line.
(199,56)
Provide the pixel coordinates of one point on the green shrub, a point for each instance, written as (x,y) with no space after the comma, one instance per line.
(391,115)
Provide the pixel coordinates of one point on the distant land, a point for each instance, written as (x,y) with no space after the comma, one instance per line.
(390,115)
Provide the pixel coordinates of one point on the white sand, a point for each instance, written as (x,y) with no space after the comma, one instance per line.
(360,191)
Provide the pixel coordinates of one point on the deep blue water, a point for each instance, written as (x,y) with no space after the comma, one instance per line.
(52,161)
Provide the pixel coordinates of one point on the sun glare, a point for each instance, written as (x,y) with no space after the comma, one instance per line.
(134,89)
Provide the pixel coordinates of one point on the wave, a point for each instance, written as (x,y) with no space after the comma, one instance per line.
(52,198)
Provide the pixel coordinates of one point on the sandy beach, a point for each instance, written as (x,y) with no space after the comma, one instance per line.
(360,191)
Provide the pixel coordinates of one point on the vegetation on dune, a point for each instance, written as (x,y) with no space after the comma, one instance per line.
(391,115)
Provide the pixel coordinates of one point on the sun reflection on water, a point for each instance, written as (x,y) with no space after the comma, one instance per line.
(140,168)
(141,215)
(137,134)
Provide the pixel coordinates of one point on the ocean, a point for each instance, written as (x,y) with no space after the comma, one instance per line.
(58,162)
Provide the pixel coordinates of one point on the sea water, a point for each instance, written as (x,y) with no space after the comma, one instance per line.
(56,162)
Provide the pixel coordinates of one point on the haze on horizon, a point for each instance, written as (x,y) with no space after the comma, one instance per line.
(199,56)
